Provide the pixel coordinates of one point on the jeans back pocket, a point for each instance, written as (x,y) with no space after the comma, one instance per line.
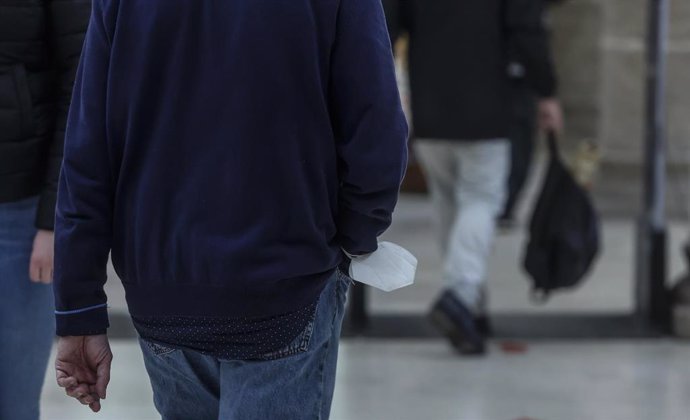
(157,348)
(298,345)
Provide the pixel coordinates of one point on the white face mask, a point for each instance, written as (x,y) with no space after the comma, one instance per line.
(389,268)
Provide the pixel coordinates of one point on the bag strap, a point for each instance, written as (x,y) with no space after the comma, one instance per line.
(552,141)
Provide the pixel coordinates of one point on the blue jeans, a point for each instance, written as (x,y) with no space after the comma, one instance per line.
(27,323)
(295,383)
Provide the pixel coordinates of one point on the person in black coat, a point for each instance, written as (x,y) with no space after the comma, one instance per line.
(461,53)
(523,128)
(40,45)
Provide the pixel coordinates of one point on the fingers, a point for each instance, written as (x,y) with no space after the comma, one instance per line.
(91,400)
(67,382)
(77,391)
(550,116)
(47,274)
(34,271)
(76,373)
(552,125)
(547,123)
(103,377)
(556,121)
(41,266)
(41,271)
(81,393)
(95,406)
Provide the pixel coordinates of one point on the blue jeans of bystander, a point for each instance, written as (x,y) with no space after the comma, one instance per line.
(27,323)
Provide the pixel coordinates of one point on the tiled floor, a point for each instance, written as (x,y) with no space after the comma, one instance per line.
(415,380)
(423,380)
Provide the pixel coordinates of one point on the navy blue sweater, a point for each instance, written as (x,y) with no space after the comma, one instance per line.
(224,152)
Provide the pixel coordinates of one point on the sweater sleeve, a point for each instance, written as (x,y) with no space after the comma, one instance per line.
(369,124)
(528,44)
(68,22)
(84,204)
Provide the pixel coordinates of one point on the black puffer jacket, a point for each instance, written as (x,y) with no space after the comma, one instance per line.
(40,45)
(460,53)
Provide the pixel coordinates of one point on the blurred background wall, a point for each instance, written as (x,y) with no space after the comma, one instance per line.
(600,51)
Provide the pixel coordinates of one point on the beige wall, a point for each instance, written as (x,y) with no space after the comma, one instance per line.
(600,51)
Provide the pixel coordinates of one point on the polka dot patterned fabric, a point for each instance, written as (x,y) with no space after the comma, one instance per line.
(227,338)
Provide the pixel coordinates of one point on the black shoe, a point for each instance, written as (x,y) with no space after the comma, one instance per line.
(483,324)
(457,323)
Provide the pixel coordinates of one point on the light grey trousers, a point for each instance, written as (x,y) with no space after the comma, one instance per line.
(468,187)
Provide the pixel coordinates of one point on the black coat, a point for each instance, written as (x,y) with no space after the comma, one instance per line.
(40,45)
(460,53)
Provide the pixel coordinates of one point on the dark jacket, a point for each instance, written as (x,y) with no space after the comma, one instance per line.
(225,152)
(459,56)
(40,43)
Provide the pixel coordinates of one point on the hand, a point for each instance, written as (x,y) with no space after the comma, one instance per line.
(83,368)
(550,115)
(41,266)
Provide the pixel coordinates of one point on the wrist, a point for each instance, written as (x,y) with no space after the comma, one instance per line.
(87,321)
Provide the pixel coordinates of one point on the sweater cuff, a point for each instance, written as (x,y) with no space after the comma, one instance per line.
(358,234)
(86,321)
(45,214)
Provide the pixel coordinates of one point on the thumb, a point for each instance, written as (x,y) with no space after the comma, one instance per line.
(103,377)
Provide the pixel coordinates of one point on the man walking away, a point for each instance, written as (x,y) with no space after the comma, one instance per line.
(458,65)
(226,153)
